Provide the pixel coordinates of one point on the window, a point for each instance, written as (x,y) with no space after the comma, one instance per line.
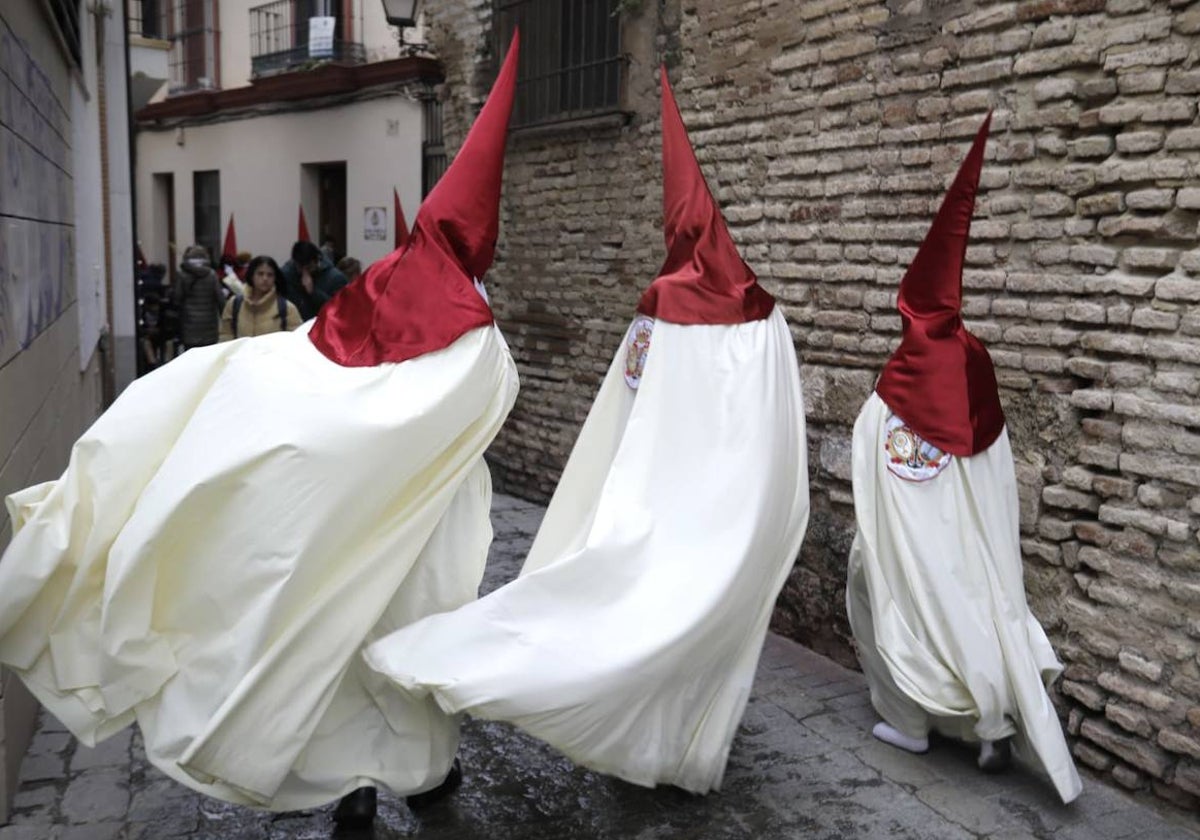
(66,19)
(571,63)
(146,18)
(282,38)
(433,146)
(206,206)
(192,30)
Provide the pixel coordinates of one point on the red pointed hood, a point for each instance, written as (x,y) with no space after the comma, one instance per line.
(421,297)
(940,380)
(704,280)
(401,224)
(229,249)
(302,228)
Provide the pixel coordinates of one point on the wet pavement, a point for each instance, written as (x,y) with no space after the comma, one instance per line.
(802,766)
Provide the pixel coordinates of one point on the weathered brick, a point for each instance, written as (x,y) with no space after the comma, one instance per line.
(1150,199)
(1130,719)
(1042,62)
(1183,138)
(1087,313)
(1102,204)
(1102,429)
(1052,88)
(1036,10)
(1183,81)
(1112,487)
(1138,142)
(1094,254)
(1088,695)
(1100,146)
(988,18)
(1137,752)
(1055,31)
(1179,742)
(1188,198)
(1153,56)
(1134,690)
(1092,757)
(1127,777)
(1145,81)
(1138,665)
(1064,497)
(1187,776)
(1092,399)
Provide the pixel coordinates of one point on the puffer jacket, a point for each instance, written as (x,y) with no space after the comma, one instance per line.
(258,317)
(197,292)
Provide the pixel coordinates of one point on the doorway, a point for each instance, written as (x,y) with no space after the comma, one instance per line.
(162,237)
(331,206)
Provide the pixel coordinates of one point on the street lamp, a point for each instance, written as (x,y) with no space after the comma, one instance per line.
(400,13)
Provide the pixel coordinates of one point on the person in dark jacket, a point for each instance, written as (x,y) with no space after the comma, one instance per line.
(309,279)
(197,293)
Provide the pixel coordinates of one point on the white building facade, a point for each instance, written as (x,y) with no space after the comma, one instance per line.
(271,107)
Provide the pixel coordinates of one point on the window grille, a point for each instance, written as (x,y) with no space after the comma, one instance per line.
(191,29)
(146,18)
(433,146)
(571,63)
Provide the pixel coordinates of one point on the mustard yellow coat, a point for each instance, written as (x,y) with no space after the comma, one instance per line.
(257,317)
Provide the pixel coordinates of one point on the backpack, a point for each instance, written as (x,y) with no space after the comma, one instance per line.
(280,302)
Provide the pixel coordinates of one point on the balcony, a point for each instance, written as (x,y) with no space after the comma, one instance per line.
(297,34)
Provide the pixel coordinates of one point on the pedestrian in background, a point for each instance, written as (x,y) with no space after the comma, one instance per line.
(262,309)
(310,279)
(197,292)
(350,267)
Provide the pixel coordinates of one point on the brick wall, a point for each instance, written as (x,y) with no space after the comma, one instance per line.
(828,131)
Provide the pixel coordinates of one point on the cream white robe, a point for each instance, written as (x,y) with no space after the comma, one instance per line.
(936,600)
(226,538)
(630,640)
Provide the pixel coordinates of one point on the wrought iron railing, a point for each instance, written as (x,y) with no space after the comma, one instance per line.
(571,60)
(285,35)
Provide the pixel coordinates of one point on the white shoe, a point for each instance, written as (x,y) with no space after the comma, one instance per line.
(890,735)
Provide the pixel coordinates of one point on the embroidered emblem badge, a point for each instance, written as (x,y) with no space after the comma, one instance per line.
(637,343)
(908,456)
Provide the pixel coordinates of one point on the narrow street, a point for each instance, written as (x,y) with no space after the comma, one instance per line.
(803,766)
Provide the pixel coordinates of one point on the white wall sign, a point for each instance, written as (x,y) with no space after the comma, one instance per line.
(375,223)
(320,36)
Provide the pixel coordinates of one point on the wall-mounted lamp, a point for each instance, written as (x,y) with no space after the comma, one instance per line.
(400,13)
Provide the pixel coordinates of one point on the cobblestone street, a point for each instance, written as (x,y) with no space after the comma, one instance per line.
(803,766)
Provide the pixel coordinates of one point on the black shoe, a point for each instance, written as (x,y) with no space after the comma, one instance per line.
(357,808)
(450,784)
(997,758)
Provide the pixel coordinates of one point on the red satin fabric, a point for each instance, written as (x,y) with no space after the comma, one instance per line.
(704,280)
(940,380)
(421,297)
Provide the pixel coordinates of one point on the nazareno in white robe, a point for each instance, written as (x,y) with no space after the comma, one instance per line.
(227,537)
(935,579)
(630,640)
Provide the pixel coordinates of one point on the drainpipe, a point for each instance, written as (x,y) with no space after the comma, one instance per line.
(102,10)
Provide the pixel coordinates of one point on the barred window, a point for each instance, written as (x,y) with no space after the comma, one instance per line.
(433,146)
(571,63)
(190,26)
(66,18)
